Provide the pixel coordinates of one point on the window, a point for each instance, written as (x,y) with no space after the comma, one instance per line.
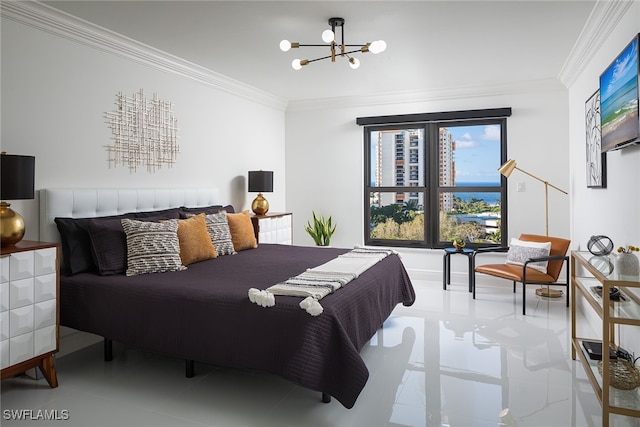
(428,182)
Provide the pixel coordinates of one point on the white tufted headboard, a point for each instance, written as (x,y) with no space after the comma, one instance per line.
(86,202)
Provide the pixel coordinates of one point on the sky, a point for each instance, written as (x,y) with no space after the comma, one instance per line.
(477,154)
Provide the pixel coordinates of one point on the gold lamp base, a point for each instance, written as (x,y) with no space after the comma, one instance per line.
(548,292)
(11,225)
(260,205)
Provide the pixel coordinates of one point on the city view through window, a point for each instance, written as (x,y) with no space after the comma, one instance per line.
(440,179)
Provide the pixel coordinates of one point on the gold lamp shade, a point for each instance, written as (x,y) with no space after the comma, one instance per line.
(507,168)
(16,183)
(259,182)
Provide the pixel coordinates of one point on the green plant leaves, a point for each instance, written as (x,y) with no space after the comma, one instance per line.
(321,230)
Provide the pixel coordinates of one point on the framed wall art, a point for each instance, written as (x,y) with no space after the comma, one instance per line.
(596,159)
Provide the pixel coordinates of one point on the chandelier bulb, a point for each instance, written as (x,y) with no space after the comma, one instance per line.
(296,64)
(377,46)
(285,45)
(327,36)
(354,63)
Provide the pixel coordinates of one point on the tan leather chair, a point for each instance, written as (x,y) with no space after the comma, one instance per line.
(527,275)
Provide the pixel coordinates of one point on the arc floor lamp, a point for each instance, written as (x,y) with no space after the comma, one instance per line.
(506,170)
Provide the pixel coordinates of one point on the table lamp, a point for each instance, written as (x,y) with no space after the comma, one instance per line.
(16,183)
(259,182)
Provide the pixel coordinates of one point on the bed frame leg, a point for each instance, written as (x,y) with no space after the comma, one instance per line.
(326,398)
(108,350)
(189,368)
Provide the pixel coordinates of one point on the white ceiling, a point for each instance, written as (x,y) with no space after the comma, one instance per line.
(430,44)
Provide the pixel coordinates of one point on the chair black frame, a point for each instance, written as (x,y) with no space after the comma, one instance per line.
(564,258)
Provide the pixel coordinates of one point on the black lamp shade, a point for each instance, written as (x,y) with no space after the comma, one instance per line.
(260,181)
(17,177)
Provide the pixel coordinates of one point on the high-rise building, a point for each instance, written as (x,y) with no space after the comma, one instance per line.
(399,162)
(447,164)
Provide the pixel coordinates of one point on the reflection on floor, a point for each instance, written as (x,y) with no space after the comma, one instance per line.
(446,361)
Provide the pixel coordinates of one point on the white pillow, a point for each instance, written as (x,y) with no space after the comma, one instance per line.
(521,250)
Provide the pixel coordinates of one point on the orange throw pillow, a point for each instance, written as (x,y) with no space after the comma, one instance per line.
(242,233)
(194,239)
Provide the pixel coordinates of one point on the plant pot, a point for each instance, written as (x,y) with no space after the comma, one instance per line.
(458,246)
(626,264)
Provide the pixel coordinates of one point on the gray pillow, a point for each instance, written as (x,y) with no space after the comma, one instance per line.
(521,250)
(218,229)
(152,247)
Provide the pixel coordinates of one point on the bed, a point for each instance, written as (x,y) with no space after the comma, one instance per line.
(203,313)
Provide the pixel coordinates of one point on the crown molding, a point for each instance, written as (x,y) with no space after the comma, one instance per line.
(430,95)
(603,19)
(45,18)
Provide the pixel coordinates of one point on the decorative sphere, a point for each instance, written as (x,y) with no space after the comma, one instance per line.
(600,245)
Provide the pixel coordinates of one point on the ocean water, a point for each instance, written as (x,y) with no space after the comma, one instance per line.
(489,197)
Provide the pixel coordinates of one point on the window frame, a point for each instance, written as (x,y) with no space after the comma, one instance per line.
(431,189)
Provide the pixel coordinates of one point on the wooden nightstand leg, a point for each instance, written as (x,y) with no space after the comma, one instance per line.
(48,368)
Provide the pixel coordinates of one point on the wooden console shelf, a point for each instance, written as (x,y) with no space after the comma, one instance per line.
(585,277)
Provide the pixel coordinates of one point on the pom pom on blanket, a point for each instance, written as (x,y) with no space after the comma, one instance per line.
(262,298)
(312,306)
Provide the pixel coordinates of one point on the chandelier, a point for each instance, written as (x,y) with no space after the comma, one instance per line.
(329,37)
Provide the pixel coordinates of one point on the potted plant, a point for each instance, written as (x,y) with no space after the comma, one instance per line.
(321,230)
(459,244)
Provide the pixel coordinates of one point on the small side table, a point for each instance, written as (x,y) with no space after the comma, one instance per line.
(446,265)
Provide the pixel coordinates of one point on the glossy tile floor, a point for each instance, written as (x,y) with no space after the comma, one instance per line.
(446,361)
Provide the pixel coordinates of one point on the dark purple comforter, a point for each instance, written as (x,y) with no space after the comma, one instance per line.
(204,314)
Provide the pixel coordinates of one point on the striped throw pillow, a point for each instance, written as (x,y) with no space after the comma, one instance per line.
(152,247)
(218,229)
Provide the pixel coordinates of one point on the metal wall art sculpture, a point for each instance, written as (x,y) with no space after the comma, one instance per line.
(145,132)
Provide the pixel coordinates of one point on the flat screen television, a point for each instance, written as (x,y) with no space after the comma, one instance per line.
(619,100)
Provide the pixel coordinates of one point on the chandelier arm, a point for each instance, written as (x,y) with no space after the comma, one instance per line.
(327,45)
(354,51)
(329,56)
(318,59)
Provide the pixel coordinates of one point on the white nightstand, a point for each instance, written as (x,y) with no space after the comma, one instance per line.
(29,308)
(276,227)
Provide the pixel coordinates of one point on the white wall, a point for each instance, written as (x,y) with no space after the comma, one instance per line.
(55,92)
(614,211)
(325,149)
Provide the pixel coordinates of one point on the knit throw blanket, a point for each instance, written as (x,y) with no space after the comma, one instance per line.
(318,282)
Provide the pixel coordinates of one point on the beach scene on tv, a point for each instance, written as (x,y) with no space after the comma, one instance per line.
(619,99)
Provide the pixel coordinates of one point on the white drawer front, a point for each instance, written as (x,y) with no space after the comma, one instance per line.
(44,314)
(44,340)
(4,354)
(276,230)
(45,261)
(21,265)
(4,296)
(4,325)
(20,293)
(44,287)
(21,348)
(20,321)
(4,268)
